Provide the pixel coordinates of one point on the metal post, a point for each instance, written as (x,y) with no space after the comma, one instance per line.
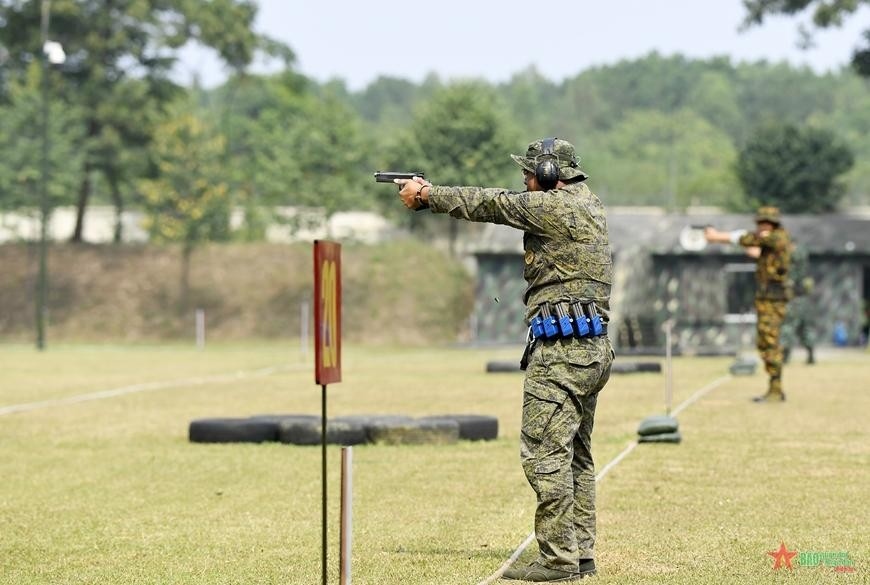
(346,514)
(323,477)
(42,282)
(303,329)
(669,380)
(200,328)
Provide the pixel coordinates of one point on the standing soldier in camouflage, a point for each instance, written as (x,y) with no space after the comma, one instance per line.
(568,270)
(799,325)
(773,288)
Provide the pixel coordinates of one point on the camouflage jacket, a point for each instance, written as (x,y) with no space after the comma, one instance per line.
(771,272)
(567,251)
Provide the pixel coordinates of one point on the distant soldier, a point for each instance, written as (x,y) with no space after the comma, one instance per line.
(773,288)
(568,269)
(799,325)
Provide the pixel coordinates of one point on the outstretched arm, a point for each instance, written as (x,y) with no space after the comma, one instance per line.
(715,236)
(527,211)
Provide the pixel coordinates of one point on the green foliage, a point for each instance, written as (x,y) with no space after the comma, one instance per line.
(329,146)
(227,26)
(714,97)
(677,159)
(780,93)
(826,14)
(387,100)
(21,146)
(464,136)
(120,54)
(733,99)
(796,168)
(656,130)
(528,91)
(290,144)
(461,135)
(188,201)
(849,118)
(861,57)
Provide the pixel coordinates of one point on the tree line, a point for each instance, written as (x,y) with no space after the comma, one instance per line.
(658,130)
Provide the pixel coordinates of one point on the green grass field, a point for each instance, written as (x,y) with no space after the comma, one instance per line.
(110,491)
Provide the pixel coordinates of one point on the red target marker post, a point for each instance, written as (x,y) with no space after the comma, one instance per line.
(327,344)
(327,312)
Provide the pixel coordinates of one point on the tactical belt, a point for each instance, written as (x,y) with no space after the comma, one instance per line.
(562,321)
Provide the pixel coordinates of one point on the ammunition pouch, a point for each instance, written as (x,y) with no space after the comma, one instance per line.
(562,321)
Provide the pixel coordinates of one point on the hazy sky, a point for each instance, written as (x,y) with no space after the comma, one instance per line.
(359,40)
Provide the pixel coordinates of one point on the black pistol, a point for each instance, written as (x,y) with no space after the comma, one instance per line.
(388,176)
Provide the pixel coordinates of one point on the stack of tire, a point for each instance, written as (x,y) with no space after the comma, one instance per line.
(376,429)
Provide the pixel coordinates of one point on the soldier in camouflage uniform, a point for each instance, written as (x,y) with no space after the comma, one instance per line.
(799,325)
(567,259)
(773,289)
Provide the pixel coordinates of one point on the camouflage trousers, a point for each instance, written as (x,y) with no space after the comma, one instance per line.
(770,314)
(799,324)
(560,394)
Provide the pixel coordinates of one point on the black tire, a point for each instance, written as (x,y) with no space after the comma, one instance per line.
(472,427)
(623,367)
(656,425)
(232,430)
(414,432)
(279,418)
(300,432)
(649,367)
(500,367)
(661,438)
(369,421)
(310,432)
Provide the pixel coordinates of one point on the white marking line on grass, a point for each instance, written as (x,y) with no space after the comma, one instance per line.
(613,463)
(699,393)
(144,387)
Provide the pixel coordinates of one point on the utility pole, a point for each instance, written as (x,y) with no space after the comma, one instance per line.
(52,54)
(42,283)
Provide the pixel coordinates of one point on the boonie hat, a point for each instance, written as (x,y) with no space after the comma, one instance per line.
(768,213)
(569,162)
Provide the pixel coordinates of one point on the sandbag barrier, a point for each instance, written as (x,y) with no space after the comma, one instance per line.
(376,429)
(659,429)
(743,366)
